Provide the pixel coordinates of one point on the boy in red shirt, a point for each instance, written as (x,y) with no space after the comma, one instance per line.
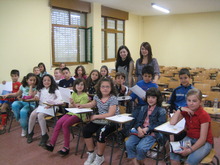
(6,103)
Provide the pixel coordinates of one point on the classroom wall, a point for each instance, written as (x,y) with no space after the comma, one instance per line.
(25,36)
(25,40)
(185,40)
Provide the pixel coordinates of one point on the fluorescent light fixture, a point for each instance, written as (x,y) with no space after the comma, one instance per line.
(155,6)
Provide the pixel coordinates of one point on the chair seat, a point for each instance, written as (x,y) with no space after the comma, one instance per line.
(209,157)
(50,117)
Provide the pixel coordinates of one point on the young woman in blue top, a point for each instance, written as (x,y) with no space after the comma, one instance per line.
(145,60)
(150,116)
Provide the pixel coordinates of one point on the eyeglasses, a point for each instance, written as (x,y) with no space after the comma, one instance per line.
(107,87)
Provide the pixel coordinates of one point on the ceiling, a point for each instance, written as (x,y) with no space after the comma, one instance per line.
(143,7)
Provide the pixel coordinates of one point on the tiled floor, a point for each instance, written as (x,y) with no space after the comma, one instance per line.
(14,150)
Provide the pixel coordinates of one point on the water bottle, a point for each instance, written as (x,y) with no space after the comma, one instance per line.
(215,105)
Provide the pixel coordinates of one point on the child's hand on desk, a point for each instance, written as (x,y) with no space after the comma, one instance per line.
(78,105)
(47,107)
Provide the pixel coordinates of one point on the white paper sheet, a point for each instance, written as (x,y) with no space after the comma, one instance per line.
(6,88)
(48,111)
(173,129)
(65,94)
(79,110)
(120,118)
(138,91)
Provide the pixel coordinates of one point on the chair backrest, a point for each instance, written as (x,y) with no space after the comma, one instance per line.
(215,128)
(212,95)
(164,80)
(211,82)
(203,87)
(122,109)
(173,84)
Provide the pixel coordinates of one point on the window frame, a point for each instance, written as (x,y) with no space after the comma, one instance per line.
(55,63)
(107,30)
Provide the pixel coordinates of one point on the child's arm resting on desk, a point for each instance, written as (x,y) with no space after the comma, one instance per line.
(111,112)
(18,93)
(88,105)
(200,142)
(176,117)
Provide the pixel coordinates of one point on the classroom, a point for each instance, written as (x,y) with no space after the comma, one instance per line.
(179,40)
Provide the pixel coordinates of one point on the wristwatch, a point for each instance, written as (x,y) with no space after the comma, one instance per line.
(180,108)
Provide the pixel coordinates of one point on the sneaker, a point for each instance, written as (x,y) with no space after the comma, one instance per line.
(90,159)
(23,132)
(98,160)
(153,154)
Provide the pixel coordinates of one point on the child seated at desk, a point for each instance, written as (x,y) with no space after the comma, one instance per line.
(58,75)
(178,97)
(79,96)
(68,81)
(198,130)
(6,103)
(119,85)
(91,82)
(107,104)
(151,115)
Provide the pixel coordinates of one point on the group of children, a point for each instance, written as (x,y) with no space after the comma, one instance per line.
(99,90)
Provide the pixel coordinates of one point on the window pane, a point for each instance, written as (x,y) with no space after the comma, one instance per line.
(103,45)
(120,39)
(65,44)
(111,24)
(77,19)
(103,23)
(89,45)
(111,45)
(120,25)
(82,45)
(60,17)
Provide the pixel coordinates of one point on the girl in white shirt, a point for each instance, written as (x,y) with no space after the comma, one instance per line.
(47,93)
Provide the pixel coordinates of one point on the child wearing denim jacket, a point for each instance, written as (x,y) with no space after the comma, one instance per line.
(151,115)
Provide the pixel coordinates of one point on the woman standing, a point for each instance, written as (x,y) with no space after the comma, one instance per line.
(125,64)
(146,59)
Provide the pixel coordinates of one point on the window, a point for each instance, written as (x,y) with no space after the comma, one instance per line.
(112,37)
(69,37)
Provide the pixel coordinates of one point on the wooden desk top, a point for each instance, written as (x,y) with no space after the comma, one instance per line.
(162,84)
(210,111)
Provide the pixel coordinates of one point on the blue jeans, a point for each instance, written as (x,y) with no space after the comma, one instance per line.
(137,147)
(21,110)
(195,157)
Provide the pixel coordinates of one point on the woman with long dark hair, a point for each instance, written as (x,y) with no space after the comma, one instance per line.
(146,59)
(125,64)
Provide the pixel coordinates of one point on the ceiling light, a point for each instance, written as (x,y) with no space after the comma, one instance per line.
(155,6)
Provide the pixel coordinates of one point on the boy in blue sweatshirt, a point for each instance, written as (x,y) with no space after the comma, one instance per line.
(145,84)
(178,97)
